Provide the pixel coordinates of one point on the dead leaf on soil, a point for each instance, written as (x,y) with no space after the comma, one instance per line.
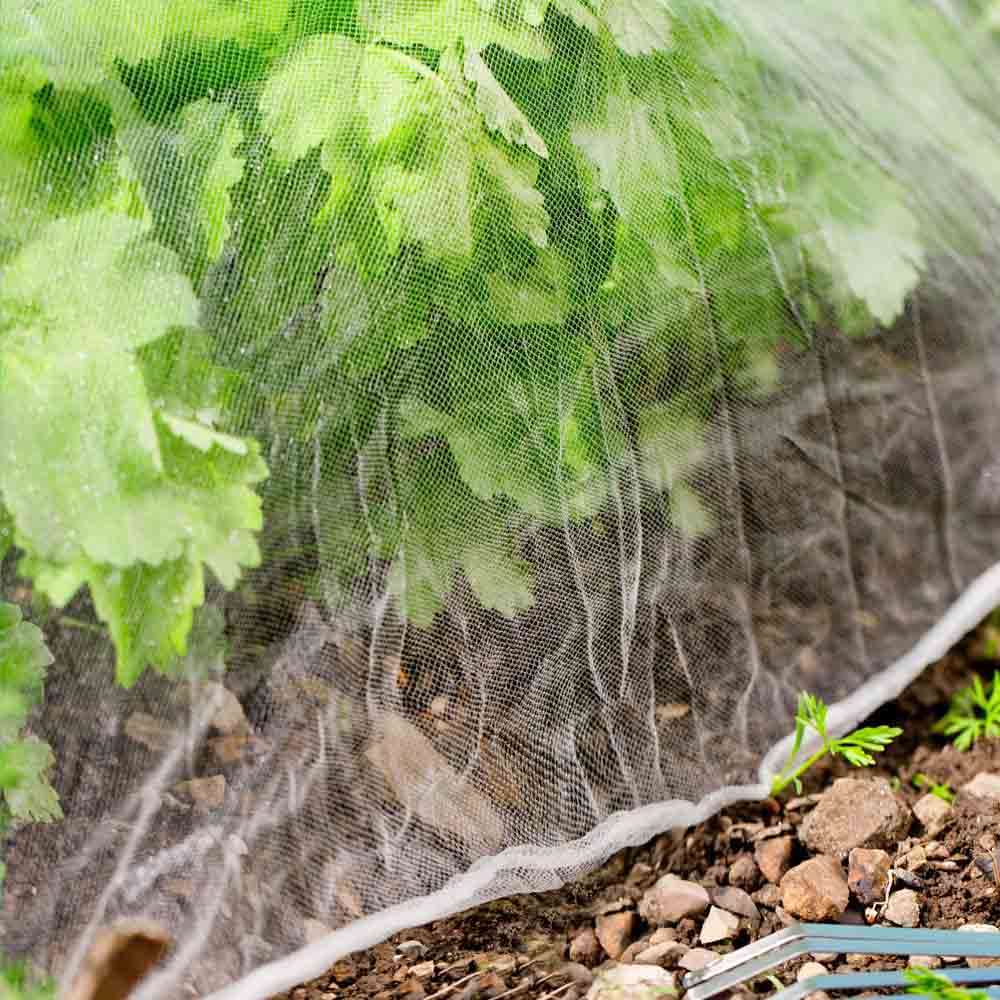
(119,959)
(425,783)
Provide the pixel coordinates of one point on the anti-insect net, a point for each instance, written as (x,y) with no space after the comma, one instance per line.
(440,438)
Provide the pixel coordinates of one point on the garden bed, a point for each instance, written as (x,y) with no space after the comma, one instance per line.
(552,944)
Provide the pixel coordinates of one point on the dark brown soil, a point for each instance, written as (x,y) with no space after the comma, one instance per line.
(520,947)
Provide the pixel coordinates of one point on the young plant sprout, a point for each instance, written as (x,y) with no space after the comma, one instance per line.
(941,790)
(856,748)
(974,713)
(937,987)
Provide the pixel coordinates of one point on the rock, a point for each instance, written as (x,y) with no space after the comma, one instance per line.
(152,733)
(735,901)
(976,963)
(580,974)
(697,958)
(585,949)
(412,948)
(903,909)
(809,970)
(924,961)
(720,925)
(227,716)
(615,932)
(662,934)
(672,899)
(631,982)
(209,793)
(855,812)
(423,970)
(815,890)
(769,895)
(984,785)
(744,873)
(315,929)
(774,857)
(868,874)
(933,813)
(666,953)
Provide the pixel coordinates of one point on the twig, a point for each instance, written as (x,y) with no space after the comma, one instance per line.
(556,992)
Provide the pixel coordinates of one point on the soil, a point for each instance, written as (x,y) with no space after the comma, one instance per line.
(521,946)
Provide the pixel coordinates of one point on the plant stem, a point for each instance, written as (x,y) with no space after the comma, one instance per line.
(781,782)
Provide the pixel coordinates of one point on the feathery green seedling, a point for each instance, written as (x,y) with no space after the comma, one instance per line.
(974,713)
(942,791)
(856,748)
(937,987)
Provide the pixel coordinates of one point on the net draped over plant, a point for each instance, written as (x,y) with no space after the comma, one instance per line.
(439,439)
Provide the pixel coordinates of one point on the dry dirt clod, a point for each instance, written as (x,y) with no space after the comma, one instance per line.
(868,874)
(209,793)
(227,715)
(932,812)
(855,812)
(585,949)
(631,982)
(672,899)
(984,785)
(815,890)
(903,908)
(744,873)
(774,857)
(720,925)
(615,932)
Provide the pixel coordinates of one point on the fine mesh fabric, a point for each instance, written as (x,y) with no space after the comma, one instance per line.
(620,370)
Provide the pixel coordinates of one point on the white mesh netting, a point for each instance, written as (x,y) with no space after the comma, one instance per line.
(512,405)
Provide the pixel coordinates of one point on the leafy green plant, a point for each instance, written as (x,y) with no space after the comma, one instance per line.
(400,245)
(974,713)
(856,748)
(19,982)
(942,791)
(935,986)
(24,761)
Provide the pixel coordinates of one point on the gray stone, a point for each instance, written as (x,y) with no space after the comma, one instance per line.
(815,890)
(984,785)
(720,925)
(903,909)
(855,812)
(924,961)
(774,857)
(697,958)
(976,963)
(868,874)
(809,970)
(932,812)
(672,899)
(666,953)
(735,901)
(631,982)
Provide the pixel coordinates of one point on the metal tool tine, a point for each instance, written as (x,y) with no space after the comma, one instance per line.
(792,942)
(878,980)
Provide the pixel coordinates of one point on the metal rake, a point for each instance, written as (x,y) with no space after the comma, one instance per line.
(769,952)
